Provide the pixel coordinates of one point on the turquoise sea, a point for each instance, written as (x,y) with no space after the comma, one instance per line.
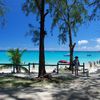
(52,57)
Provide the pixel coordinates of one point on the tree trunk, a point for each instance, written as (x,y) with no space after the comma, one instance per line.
(71,59)
(71,49)
(42,71)
(71,45)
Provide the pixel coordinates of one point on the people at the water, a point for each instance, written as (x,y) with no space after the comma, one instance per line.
(76,63)
(94,63)
(90,63)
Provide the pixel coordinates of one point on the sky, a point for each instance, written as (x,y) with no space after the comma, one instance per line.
(13,34)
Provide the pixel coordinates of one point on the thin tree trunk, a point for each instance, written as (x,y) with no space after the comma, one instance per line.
(71,45)
(71,59)
(71,49)
(42,71)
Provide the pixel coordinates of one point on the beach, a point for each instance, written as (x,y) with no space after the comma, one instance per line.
(51,57)
(49,69)
(50,50)
(80,88)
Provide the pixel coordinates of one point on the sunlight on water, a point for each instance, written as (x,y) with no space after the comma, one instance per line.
(52,57)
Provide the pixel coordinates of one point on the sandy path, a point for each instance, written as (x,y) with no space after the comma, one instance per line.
(82,88)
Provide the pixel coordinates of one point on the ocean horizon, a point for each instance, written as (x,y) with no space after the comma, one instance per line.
(52,57)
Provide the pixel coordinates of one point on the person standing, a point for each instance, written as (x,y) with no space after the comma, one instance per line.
(76,63)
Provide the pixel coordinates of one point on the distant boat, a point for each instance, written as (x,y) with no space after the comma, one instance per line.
(89,55)
(67,55)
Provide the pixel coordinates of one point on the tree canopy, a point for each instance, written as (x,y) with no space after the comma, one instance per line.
(68,15)
(3,9)
(72,12)
(95,13)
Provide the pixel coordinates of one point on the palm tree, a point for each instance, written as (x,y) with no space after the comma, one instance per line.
(15,57)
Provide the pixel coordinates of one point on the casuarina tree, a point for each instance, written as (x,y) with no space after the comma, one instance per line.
(38,7)
(68,15)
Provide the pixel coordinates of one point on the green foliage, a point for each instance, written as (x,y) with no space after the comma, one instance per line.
(15,58)
(34,7)
(62,37)
(3,10)
(29,6)
(15,55)
(34,32)
(95,5)
(71,14)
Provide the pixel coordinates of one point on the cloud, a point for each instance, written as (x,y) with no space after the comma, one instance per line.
(97,47)
(82,42)
(84,48)
(98,40)
(89,48)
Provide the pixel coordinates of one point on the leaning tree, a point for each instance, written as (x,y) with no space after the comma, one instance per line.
(68,15)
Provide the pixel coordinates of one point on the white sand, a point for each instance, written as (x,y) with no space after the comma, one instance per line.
(82,88)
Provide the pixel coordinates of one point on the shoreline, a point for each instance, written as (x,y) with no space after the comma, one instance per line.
(52,57)
(49,69)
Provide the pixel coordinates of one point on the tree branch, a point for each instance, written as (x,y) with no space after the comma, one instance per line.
(74,45)
(64,17)
(93,3)
(74,2)
(47,11)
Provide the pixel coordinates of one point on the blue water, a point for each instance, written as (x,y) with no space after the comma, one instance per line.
(52,57)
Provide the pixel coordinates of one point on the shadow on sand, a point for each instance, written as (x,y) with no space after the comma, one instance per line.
(78,89)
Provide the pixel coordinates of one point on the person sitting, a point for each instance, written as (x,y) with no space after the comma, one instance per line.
(54,71)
